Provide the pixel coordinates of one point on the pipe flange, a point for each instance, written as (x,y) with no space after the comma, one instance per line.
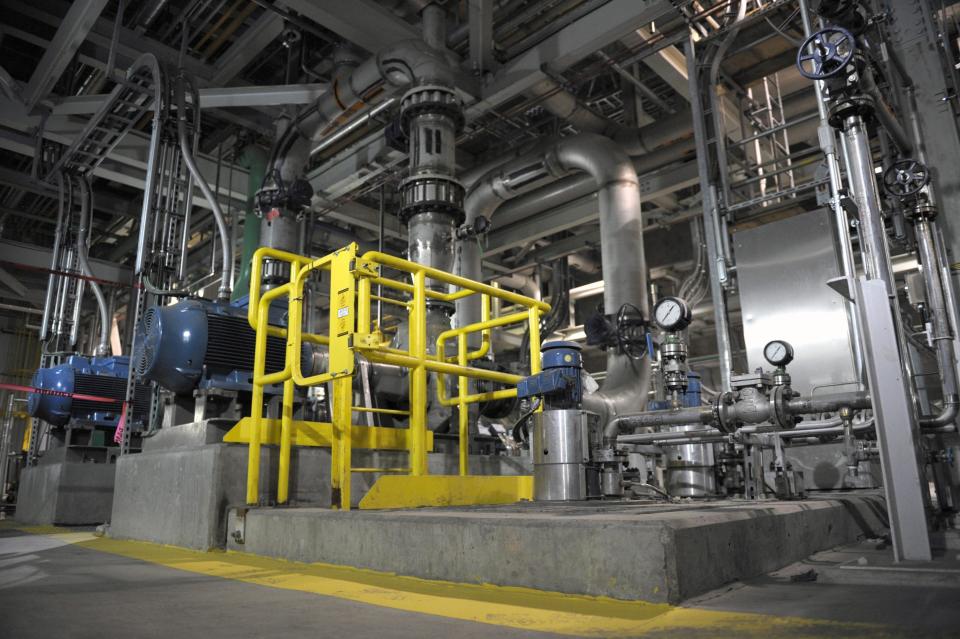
(674,350)
(431,193)
(781,415)
(861,105)
(723,413)
(922,210)
(430,99)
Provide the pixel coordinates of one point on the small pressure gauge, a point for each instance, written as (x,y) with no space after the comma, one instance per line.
(778,352)
(672,314)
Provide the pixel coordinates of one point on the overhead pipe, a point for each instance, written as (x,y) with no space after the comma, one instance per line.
(83,248)
(394,68)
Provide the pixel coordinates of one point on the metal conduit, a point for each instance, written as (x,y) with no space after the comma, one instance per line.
(226,263)
(83,247)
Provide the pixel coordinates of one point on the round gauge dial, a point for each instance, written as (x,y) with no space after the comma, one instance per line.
(672,314)
(778,352)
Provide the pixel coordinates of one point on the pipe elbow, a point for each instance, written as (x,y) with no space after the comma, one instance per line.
(602,158)
(414,61)
(951,406)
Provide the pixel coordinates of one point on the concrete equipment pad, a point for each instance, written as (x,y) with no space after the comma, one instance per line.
(641,550)
(63,490)
(178,489)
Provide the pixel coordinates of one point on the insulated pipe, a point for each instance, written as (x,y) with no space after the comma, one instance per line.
(863,182)
(254,159)
(827,427)
(940,324)
(83,247)
(621,228)
(226,264)
(748,411)
(394,68)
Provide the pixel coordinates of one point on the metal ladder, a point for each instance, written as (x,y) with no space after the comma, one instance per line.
(130,100)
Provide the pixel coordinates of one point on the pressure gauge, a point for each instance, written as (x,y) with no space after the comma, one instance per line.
(672,314)
(778,352)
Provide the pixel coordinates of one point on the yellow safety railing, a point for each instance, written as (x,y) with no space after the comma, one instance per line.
(351,331)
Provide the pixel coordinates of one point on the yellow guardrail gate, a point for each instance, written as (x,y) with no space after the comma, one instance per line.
(352,333)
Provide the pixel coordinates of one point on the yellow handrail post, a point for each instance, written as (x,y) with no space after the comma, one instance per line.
(256,409)
(340,450)
(534,340)
(286,430)
(418,378)
(463,414)
(363,305)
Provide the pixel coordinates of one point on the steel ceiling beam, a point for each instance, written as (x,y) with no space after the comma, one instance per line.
(38,258)
(247,47)
(609,23)
(73,29)
(127,164)
(362,22)
(214,98)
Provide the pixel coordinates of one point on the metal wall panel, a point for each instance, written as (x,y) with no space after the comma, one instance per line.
(783,268)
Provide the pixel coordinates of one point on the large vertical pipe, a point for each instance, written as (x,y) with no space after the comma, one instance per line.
(941,331)
(254,159)
(863,182)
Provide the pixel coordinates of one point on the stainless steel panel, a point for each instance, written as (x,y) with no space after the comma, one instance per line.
(783,268)
(560,454)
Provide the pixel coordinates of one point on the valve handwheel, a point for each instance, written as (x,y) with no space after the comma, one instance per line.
(826,53)
(905,178)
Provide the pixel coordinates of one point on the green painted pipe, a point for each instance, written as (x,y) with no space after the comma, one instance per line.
(254,159)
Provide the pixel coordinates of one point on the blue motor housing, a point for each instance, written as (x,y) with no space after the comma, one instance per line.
(690,399)
(198,344)
(101,377)
(560,382)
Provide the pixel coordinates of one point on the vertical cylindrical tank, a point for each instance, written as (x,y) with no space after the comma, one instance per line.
(560,455)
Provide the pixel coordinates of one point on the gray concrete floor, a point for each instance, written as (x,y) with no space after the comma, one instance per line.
(51,589)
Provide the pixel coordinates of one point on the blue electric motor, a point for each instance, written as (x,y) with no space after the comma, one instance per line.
(104,377)
(560,383)
(690,399)
(197,344)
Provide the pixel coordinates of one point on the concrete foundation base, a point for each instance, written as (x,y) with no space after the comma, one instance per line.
(178,489)
(649,551)
(67,491)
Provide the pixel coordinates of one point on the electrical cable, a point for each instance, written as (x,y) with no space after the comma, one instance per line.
(517,429)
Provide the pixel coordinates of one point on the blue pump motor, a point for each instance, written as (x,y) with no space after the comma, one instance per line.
(690,399)
(560,382)
(200,344)
(104,377)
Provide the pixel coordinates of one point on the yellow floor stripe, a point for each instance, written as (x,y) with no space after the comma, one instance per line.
(512,607)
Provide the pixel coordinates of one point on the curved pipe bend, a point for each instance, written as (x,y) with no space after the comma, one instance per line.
(226,252)
(621,228)
(394,68)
